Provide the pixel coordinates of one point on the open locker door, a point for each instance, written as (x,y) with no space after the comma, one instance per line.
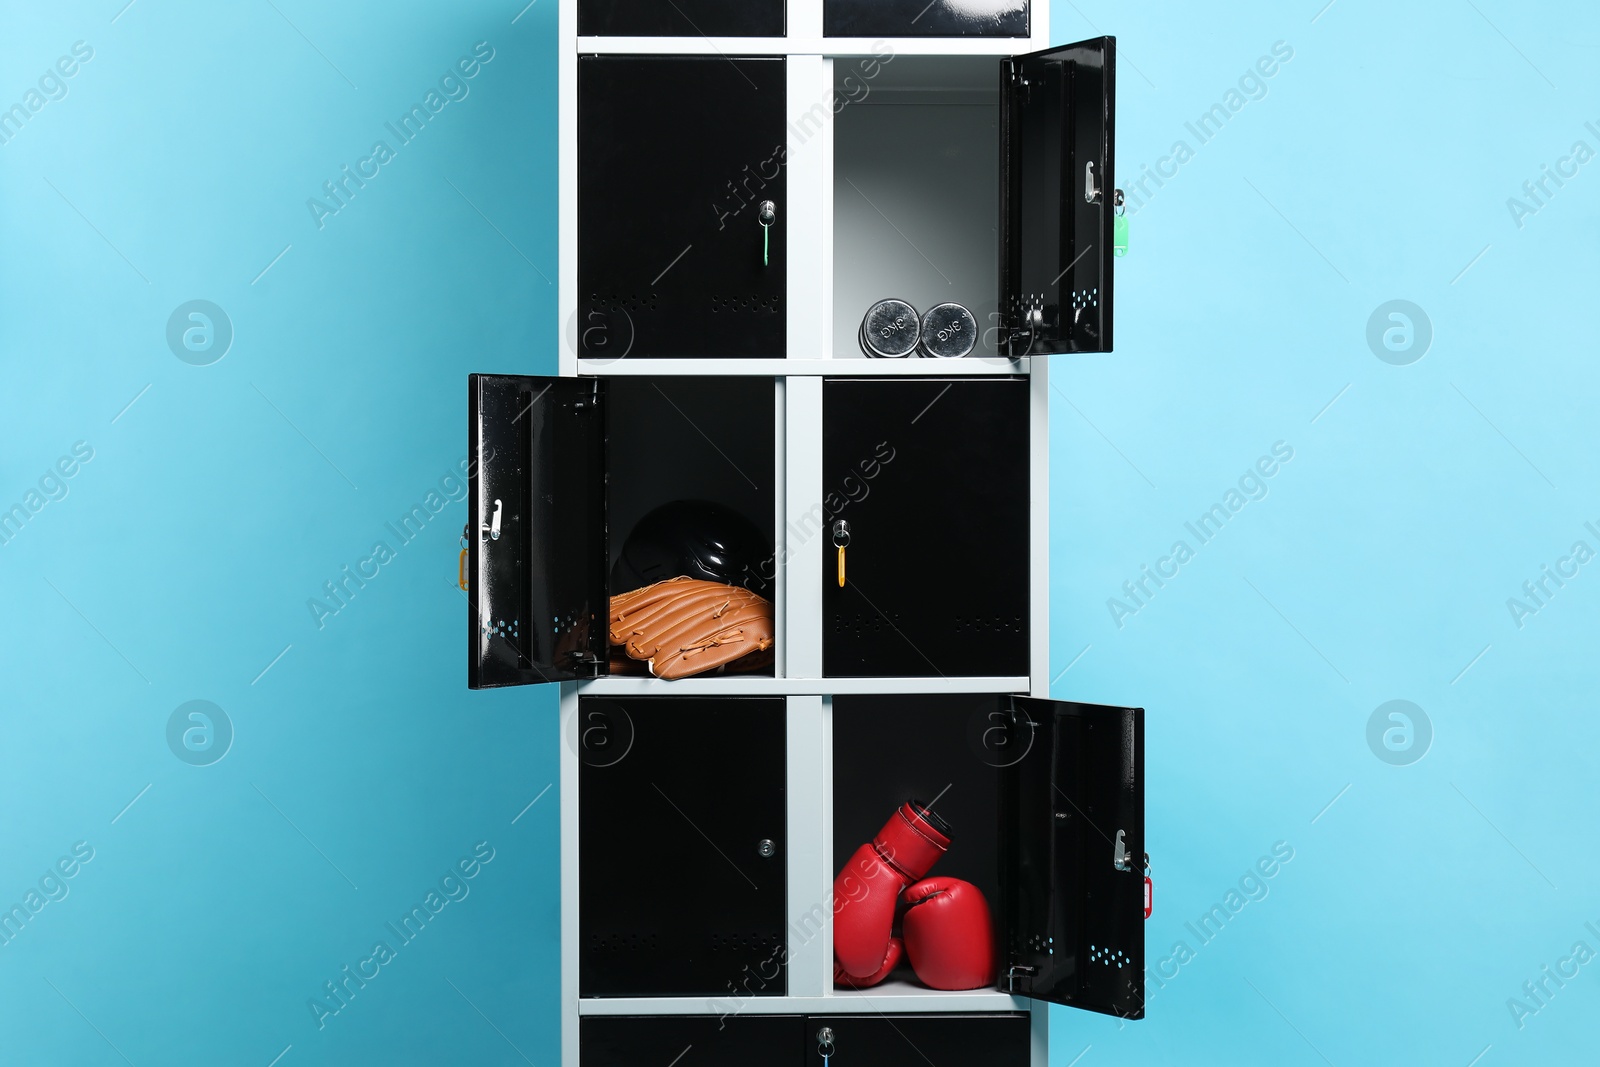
(1073,856)
(1057,198)
(536,530)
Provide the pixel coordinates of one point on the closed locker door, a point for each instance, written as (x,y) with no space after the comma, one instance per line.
(681,846)
(930,479)
(677,157)
(918,1040)
(691,1041)
(925,18)
(681,18)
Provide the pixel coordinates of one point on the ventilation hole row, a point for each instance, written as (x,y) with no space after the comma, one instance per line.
(986,624)
(617,302)
(741,942)
(735,304)
(624,942)
(1109,957)
(862,624)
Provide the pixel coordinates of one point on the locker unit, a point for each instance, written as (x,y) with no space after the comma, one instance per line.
(687,227)
(1046,804)
(936,155)
(739,182)
(683,224)
(937,580)
(561,462)
(681,758)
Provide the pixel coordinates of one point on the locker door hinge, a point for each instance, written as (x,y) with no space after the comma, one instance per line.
(1019,337)
(589,664)
(1018,978)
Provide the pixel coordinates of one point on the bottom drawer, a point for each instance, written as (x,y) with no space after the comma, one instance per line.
(792,1040)
(918,1040)
(691,1041)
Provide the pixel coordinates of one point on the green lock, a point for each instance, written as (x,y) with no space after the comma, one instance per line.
(1119,236)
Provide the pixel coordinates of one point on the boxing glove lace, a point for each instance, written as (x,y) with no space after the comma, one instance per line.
(867,890)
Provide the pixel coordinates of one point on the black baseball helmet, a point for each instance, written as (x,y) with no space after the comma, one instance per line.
(699,539)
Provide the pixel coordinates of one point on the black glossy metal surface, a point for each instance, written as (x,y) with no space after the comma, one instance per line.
(920,18)
(932,476)
(691,1040)
(537,593)
(1057,118)
(675,157)
(1069,918)
(681,18)
(675,797)
(918,1040)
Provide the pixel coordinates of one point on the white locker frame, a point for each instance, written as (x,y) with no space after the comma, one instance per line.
(798,600)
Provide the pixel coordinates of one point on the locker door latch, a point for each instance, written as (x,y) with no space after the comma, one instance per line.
(766,214)
(491,529)
(1091,191)
(841,541)
(1119,852)
(825,1042)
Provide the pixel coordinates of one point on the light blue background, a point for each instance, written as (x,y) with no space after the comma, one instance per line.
(1377,166)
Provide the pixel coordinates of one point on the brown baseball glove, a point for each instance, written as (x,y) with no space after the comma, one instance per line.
(685,626)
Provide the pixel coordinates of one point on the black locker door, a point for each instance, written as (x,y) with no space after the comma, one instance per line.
(920,1040)
(536,567)
(931,478)
(925,18)
(681,18)
(1072,848)
(681,846)
(691,1041)
(676,156)
(1058,197)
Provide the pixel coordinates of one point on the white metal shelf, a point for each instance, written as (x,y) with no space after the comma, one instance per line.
(744,685)
(891,996)
(809,45)
(834,368)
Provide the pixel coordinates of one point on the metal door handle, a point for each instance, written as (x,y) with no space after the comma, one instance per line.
(492,527)
(766,214)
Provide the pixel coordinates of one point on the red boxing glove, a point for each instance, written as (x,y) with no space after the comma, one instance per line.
(949,935)
(891,959)
(868,888)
